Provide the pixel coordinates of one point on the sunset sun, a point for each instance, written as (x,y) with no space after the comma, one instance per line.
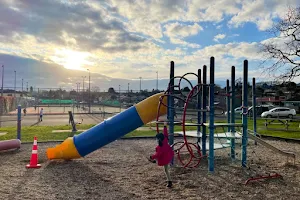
(71,59)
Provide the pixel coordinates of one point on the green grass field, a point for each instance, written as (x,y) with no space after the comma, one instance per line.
(44,133)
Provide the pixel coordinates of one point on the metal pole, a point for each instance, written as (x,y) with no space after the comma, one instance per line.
(2,80)
(204,104)
(140,84)
(22,85)
(171,106)
(120,96)
(157,80)
(129,94)
(38,110)
(254,108)
(228,95)
(211,115)
(15,83)
(232,117)
(244,117)
(199,106)
(89,91)
(19,123)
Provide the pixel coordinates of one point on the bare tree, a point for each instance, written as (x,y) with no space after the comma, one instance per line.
(284,48)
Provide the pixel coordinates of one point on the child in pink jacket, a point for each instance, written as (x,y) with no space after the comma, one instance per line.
(164,153)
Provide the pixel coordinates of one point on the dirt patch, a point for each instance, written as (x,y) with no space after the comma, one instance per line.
(121,170)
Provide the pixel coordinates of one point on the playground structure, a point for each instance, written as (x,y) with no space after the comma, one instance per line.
(197,98)
(164,104)
(14,143)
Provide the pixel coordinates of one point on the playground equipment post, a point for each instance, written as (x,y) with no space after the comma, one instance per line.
(199,105)
(204,106)
(245,113)
(254,108)
(19,123)
(232,117)
(170,112)
(211,114)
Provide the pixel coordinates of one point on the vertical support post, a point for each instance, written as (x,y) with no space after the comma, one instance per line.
(228,95)
(199,106)
(244,117)
(171,106)
(204,107)
(211,114)
(254,108)
(232,117)
(19,123)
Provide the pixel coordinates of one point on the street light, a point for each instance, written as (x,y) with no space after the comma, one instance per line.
(128,94)
(2,80)
(140,84)
(83,77)
(120,96)
(156,80)
(89,91)
(15,82)
(22,86)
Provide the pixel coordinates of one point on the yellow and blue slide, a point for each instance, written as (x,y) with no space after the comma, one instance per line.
(109,130)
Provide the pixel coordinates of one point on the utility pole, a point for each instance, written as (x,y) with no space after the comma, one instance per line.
(2,80)
(15,83)
(140,84)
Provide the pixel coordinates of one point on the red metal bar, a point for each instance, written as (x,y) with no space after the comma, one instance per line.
(276,175)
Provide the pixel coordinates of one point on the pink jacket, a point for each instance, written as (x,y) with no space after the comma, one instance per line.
(164,153)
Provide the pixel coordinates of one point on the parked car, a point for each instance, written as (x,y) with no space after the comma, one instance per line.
(237,111)
(259,109)
(279,112)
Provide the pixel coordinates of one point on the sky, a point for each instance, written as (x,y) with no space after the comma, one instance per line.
(52,43)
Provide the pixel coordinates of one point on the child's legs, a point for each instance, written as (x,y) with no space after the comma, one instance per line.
(166,168)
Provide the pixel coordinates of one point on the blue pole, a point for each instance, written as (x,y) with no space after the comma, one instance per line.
(254,108)
(19,123)
(244,117)
(171,107)
(211,114)
(232,118)
(199,106)
(204,104)
(228,103)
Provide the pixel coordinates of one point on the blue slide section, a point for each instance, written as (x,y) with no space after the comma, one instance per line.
(107,131)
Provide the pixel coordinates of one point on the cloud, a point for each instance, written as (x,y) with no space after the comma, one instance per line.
(177,32)
(262,12)
(219,37)
(182,30)
(74,25)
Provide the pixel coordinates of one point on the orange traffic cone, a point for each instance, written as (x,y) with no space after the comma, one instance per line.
(34,156)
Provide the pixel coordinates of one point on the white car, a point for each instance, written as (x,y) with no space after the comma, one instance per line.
(279,112)
(237,111)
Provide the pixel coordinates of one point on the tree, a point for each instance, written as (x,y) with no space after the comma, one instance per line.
(284,49)
(111,90)
(31,89)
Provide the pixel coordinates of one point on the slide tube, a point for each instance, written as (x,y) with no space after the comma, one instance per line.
(109,130)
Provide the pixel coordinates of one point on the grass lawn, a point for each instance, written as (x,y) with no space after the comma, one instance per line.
(44,133)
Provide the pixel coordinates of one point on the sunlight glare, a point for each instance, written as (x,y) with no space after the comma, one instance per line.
(71,59)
